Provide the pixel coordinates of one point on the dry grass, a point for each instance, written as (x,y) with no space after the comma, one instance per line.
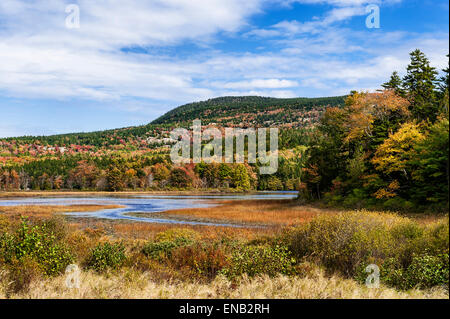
(160,281)
(130,284)
(265,212)
(149,230)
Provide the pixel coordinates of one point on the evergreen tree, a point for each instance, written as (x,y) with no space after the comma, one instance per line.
(395,83)
(420,83)
(444,80)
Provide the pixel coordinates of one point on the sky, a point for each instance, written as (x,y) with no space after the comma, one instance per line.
(127,62)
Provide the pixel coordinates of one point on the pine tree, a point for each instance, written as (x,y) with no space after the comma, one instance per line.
(443,85)
(395,83)
(444,80)
(420,83)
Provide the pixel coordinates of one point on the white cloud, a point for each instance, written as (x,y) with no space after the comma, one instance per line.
(342,10)
(267,93)
(258,84)
(42,59)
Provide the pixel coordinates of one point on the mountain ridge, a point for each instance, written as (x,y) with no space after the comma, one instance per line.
(226,111)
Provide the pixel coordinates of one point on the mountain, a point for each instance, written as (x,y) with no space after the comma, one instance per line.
(252,110)
(225,111)
(129,158)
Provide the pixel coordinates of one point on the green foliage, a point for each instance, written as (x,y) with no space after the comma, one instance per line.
(38,243)
(163,249)
(423,272)
(240,178)
(255,260)
(395,83)
(106,256)
(431,175)
(115,179)
(179,177)
(420,83)
(167,241)
(274,184)
(224,107)
(178,234)
(407,253)
(391,147)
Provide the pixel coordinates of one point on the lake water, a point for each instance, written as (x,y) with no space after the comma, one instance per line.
(145,204)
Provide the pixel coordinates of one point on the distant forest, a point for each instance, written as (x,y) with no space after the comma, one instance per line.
(388,148)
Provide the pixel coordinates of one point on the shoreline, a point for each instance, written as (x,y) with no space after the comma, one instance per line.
(9,194)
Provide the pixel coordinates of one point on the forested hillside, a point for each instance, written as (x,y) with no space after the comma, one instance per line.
(225,111)
(367,149)
(252,111)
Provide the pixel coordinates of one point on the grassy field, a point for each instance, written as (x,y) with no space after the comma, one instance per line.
(127,284)
(297,252)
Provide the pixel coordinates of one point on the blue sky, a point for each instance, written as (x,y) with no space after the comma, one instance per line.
(129,63)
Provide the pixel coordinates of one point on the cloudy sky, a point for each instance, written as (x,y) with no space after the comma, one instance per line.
(131,61)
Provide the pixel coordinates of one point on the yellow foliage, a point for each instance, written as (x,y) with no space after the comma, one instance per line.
(389,192)
(364,108)
(394,154)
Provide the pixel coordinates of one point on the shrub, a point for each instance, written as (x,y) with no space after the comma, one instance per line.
(167,241)
(206,260)
(178,234)
(427,271)
(160,250)
(57,226)
(22,273)
(254,260)
(38,243)
(81,244)
(407,253)
(423,272)
(105,256)
(341,242)
(5,224)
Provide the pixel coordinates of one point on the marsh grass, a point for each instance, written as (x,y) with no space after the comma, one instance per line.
(133,284)
(262,212)
(324,266)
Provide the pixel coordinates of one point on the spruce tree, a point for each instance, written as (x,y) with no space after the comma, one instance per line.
(444,80)
(420,83)
(443,86)
(395,83)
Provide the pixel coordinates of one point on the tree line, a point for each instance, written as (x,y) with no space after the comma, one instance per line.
(387,148)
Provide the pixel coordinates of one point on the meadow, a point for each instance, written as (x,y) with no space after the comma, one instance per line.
(295,251)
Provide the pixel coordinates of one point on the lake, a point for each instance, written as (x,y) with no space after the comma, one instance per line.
(145,204)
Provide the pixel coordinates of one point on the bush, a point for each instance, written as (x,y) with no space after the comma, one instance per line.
(38,243)
(160,250)
(22,273)
(180,177)
(57,226)
(407,253)
(255,260)
(177,234)
(205,259)
(427,271)
(105,256)
(423,272)
(167,241)
(341,242)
